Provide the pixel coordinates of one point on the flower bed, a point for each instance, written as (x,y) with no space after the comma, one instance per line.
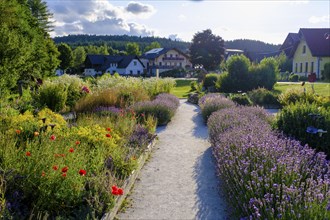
(266,175)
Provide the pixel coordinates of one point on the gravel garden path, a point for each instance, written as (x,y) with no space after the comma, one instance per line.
(179,181)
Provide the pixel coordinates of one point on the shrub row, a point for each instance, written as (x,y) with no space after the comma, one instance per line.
(295,119)
(266,175)
(162,108)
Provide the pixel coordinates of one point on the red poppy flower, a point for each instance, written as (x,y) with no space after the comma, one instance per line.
(64,174)
(77,142)
(109,129)
(65,169)
(108,135)
(18,131)
(28,153)
(52,137)
(71,150)
(120,191)
(62,155)
(114,190)
(55,167)
(82,172)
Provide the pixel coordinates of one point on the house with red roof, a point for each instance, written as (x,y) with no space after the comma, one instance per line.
(309,49)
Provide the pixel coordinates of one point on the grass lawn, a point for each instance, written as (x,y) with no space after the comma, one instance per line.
(320,88)
(182,88)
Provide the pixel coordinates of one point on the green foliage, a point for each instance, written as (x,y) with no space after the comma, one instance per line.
(176,73)
(269,73)
(264,97)
(285,64)
(210,80)
(207,50)
(326,72)
(225,84)
(238,72)
(27,52)
(303,78)
(66,56)
(133,49)
(292,96)
(79,56)
(293,77)
(241,99)
(40,11)
(294,119)
(152,45)
(53,96)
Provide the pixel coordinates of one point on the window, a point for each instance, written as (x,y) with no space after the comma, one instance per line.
(296,68)
(301,67)
(171,55)
(306,67)
(160,63)
(139,72)
(131,72)
(304,49)
(135,63)
(312,67)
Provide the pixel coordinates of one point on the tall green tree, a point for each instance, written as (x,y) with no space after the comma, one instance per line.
(40,11)
(151,46)
(133,49)
(207,50)
(79,56)
(66,56)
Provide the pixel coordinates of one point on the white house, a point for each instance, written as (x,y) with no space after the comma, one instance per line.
(124,65)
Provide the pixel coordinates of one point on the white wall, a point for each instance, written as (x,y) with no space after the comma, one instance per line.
(133,68)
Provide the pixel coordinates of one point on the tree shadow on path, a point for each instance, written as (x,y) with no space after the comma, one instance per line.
(210,202)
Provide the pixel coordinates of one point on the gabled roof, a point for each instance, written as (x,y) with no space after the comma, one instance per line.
(290,44)
(156,52)
(318,40)
(104,61)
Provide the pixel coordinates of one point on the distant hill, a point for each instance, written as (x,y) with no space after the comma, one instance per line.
(118,42)
(252,46)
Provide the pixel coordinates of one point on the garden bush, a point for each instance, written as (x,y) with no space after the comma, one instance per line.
(264,97)
(266,175)
(210,80)
(241,99)
(294,120)
(292,96)
(303,78)
(53,96)
(213,102)
(162,108)
(293,78)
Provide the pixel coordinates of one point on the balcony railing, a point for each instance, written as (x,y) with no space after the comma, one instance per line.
(173,58)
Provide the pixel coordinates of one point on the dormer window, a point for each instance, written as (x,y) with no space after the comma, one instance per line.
(304,49)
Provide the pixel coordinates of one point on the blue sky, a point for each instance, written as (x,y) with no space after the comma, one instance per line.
(268,21)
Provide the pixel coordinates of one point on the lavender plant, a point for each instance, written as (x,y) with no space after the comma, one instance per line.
(162,108)
(213,102)
(267,175)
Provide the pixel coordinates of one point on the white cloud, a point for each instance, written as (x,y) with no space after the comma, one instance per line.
(319,19)
(139,8)
(99,17)
(298,2)
(182,17)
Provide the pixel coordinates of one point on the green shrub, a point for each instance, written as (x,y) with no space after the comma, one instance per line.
(294,119)
(241,99)
(210,80)
(293,78)
(193,85)
(303,78)
(264,97)
(326,72)
(225,84)
(296,95)
(53,96)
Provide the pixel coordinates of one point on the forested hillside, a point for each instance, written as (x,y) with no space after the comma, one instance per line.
(118,42)
(252,46)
